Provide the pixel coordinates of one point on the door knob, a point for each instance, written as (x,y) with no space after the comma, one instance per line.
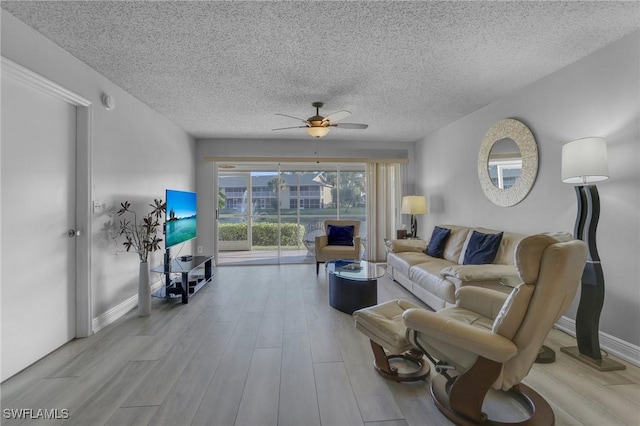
(73,233)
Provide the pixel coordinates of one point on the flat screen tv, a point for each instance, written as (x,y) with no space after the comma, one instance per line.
(180,225)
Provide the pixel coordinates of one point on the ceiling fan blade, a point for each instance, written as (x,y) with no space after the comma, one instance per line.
(295,118)
(294,127)
(337,116)
(349,125)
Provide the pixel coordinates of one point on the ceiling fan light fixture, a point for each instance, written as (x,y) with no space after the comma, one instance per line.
(317,132)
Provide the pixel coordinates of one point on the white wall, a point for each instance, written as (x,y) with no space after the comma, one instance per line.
(137,153)
(274,150)
(596,96)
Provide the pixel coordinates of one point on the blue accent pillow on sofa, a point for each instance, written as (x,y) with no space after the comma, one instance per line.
(340,235)
(482,248)
(438,239)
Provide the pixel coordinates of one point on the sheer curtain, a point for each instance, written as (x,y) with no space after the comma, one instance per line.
(384,183)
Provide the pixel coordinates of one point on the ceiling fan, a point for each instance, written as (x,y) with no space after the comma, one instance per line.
(318,126)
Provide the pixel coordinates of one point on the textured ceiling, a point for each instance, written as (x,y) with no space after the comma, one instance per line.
(222,69)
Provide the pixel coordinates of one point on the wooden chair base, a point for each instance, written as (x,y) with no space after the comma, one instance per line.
(462,404)
(382,366)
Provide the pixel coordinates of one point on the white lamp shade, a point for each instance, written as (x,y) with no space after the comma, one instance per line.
(585,161)
(414,204)
(317,132)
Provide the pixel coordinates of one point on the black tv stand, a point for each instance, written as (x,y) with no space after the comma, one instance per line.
(194,274)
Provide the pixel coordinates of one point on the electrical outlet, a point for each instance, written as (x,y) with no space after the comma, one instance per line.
(199,249)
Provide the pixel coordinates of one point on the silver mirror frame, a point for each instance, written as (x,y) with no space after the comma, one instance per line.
(522,136)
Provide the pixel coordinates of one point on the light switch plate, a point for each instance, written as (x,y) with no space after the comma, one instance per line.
(97,207)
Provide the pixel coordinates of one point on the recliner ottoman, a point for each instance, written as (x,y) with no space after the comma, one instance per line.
(383,325)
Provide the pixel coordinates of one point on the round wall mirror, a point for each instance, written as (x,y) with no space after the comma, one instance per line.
(508,162)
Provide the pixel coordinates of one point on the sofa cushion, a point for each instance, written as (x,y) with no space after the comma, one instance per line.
(405,260)
(427,275)
(398,246)
(481,248)
(338,252)
(470,273)
(437,242)
(340,235)
(453,246)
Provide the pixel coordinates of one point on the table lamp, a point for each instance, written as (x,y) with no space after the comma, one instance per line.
(413,205)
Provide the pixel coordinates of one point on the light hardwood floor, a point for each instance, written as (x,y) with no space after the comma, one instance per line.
(260,345)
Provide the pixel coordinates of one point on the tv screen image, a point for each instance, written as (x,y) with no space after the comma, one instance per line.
(180,223)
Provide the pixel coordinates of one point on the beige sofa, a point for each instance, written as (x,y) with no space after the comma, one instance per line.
(435,280)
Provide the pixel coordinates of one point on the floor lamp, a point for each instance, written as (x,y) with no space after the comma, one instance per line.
(585,161)
(413,205)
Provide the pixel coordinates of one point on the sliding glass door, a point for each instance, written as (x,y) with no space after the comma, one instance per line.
(234,212)
(272,213)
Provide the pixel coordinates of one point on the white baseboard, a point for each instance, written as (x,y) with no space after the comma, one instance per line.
(116,312)
(613,345)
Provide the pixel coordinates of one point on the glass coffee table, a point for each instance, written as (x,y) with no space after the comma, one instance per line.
(353,284)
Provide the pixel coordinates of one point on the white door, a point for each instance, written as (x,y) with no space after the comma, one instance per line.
(38,209)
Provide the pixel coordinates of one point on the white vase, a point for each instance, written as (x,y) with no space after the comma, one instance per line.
(144,291)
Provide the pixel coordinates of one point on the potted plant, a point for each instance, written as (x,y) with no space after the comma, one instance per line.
(142,237)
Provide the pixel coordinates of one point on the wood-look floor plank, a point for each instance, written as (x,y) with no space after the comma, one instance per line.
(153,388)
(271,330)
(374,397)
(256,299)
(336,401)
(324,346)
(84,387)
(298,403)
(106,401)
(558,339)
(400,422)
(630,392)
(181,403)
(132,416)
(619,408)
(38,396)
(166,338)
(220,402)
(562,417)
(276,299)
(295,319)
(88,359)
(259,403)
(16,386)
(165,311)
(575,403)
(416,404)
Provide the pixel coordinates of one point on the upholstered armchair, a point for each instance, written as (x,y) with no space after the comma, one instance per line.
(491,340)
(341,240)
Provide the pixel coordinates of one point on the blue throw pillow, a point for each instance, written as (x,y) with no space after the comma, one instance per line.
(340,235)
(482,248)
(439,238)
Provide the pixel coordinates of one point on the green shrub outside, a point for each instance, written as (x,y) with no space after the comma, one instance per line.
(232,231)
(263,233)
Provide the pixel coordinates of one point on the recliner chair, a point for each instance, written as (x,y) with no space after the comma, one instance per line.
(492,342)
(325,251)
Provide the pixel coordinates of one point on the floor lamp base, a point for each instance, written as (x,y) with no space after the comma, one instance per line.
(604,364)
(546,355)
